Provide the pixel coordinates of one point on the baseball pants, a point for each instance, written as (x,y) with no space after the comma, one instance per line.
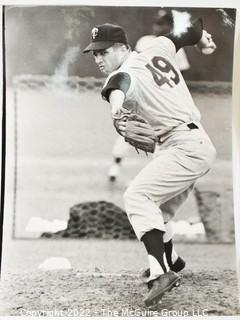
(157,192)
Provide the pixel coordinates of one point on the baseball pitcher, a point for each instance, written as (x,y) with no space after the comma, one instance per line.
(153,110)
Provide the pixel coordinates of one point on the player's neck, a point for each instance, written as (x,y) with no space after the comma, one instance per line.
(125,56)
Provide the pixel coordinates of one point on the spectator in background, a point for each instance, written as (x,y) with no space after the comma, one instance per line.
(162,24)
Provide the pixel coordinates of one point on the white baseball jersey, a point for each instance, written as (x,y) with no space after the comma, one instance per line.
(156,88)
(181,58)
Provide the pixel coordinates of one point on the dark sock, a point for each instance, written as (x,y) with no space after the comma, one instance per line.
(153,242)
(168,246)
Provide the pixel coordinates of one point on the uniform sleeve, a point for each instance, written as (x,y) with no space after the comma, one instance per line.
(119,81)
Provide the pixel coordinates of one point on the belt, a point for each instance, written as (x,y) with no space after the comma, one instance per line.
(191,126)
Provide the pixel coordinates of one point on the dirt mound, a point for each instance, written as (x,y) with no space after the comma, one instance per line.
(77,293)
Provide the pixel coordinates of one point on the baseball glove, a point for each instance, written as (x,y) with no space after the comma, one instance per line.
(140,134)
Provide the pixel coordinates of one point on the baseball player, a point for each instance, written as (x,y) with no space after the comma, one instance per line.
(152,108)
(162,24)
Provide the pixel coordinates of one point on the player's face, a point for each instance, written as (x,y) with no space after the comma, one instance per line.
(108,59)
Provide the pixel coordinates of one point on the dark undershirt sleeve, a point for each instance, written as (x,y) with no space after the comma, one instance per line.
(190,37)
(120,81)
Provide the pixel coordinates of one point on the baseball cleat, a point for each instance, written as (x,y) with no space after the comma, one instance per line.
(178,265)
(157,287)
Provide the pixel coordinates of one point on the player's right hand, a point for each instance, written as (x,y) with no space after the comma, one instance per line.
(120,113)
(120,125)
(206,43)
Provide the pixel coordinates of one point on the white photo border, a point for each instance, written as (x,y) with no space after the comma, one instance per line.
(236,76)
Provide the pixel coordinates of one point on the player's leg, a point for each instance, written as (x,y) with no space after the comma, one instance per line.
(175,262)
(154,185)
(159,181)
(119,152)
(167,180)
(153,242)
(166,253)
(169,208)
(168,175)
(161,279)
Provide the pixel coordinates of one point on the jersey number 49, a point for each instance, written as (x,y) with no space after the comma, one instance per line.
(163,72)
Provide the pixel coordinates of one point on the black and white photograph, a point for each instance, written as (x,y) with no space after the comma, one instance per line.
(117,191)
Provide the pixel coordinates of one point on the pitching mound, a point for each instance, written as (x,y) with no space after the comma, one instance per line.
(77,293)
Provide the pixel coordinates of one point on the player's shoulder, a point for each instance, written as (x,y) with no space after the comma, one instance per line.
(144,42)
(162,42)
(160,46)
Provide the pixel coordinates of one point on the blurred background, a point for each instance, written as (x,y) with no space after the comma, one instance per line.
(59,131)
(38,38)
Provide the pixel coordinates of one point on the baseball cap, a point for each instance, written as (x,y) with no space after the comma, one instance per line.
(105,35)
